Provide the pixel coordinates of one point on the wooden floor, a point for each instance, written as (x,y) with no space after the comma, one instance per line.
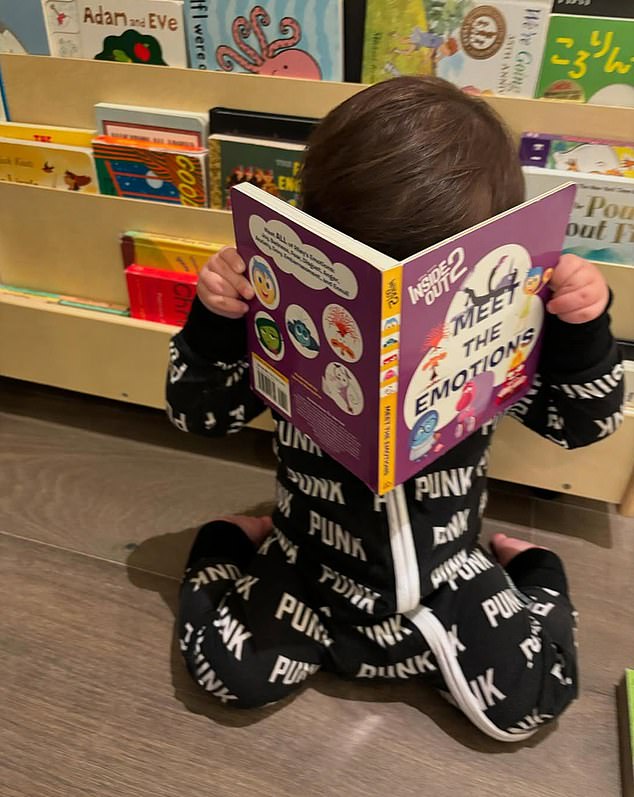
(97,506)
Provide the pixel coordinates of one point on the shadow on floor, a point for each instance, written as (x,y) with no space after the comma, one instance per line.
(145,571)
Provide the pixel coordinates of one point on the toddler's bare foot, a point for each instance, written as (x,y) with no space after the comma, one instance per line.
(506,548)
(257,529)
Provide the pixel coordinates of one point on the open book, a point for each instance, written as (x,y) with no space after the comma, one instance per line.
(386,365)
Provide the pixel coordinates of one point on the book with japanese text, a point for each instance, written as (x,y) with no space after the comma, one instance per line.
(386,365)
(588,59)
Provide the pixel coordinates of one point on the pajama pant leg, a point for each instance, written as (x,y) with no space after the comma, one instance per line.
(506,649)
(246,634)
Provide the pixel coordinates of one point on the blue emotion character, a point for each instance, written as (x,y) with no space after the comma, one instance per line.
(302,335)
(422,437)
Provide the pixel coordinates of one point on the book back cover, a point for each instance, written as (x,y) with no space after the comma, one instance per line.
(472,312)
(314,328)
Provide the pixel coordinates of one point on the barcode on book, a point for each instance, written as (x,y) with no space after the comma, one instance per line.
(271,384)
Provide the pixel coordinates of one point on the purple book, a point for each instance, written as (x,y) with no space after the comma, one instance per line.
(387,365)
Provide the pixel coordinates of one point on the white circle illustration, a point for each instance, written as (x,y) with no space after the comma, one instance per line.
(343,388)
(264,282)
(302,331)
(269,335)
(342,333)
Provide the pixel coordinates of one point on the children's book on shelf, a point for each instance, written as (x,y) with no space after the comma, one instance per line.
(65,300)
(386,365)
(4,108)
(48,134)
(354,12)
(286,38)
(156,125)
(625,706)
(595,8)
(258,124)
(162,296)
(166,252)
(588,59)
(141,170)
(273,166)
(22,28)
(576,154)
(48,165)
(129,31)
(492,48)
(601,224)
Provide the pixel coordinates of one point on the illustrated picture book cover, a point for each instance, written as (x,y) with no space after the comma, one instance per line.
(601,225)
(48,165)
(140,170)
(165,252)
(588,59)
(286,38)
(129,31)
(273,166)
(486,48)
(22,28)
(388,365)
(156,125)
(574,154)
(625,706)
(48,134)
(162,296)
(259,124)
(595,8)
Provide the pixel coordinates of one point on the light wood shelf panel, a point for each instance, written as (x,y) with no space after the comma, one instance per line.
(67,242)
(48,90)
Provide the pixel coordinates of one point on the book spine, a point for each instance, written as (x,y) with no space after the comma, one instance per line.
(389,352)
(215,174)
(625,705)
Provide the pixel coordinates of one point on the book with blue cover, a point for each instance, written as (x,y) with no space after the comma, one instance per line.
(286,38)
(22,28)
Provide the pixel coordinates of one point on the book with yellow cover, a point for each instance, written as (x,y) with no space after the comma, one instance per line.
(48,134)
(48,165)
(166,252)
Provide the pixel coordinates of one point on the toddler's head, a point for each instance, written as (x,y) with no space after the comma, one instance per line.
(407,163)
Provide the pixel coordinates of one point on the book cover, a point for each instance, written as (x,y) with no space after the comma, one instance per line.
(273,166)
(48,165)
(575,154)
(388,365)
(588,59)
(492,48)
(22,28)
(625,706)
(287,38)
(354,13)
(140,170)
(165,252)
(595,8)
(162,296)
(129,31)
(155,125)
(48,134)
(601,224)
(258,124)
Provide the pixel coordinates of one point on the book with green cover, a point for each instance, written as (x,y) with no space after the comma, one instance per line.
(588,59)
(625,704)
(273,166)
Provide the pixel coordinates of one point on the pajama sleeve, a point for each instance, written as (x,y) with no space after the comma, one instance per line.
(207,388)
(577,394)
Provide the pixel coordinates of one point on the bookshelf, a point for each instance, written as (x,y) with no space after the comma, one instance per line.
(68,242)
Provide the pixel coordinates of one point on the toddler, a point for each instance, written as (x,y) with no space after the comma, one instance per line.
(395,587)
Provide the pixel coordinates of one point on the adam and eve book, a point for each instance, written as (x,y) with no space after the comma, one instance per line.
(386,365)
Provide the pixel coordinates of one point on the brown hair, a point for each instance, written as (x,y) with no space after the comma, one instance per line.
(408,162)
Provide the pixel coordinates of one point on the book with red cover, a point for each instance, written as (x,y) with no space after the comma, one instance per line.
(157,295)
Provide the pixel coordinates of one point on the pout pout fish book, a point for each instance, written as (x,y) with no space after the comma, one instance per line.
(387,365)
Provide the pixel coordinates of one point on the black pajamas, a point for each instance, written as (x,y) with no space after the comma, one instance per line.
(390,588)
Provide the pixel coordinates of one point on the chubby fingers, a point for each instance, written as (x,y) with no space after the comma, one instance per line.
(222,287)
(580,293)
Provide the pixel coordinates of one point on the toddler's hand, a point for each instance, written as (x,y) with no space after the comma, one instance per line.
(580,293)
(221,284)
